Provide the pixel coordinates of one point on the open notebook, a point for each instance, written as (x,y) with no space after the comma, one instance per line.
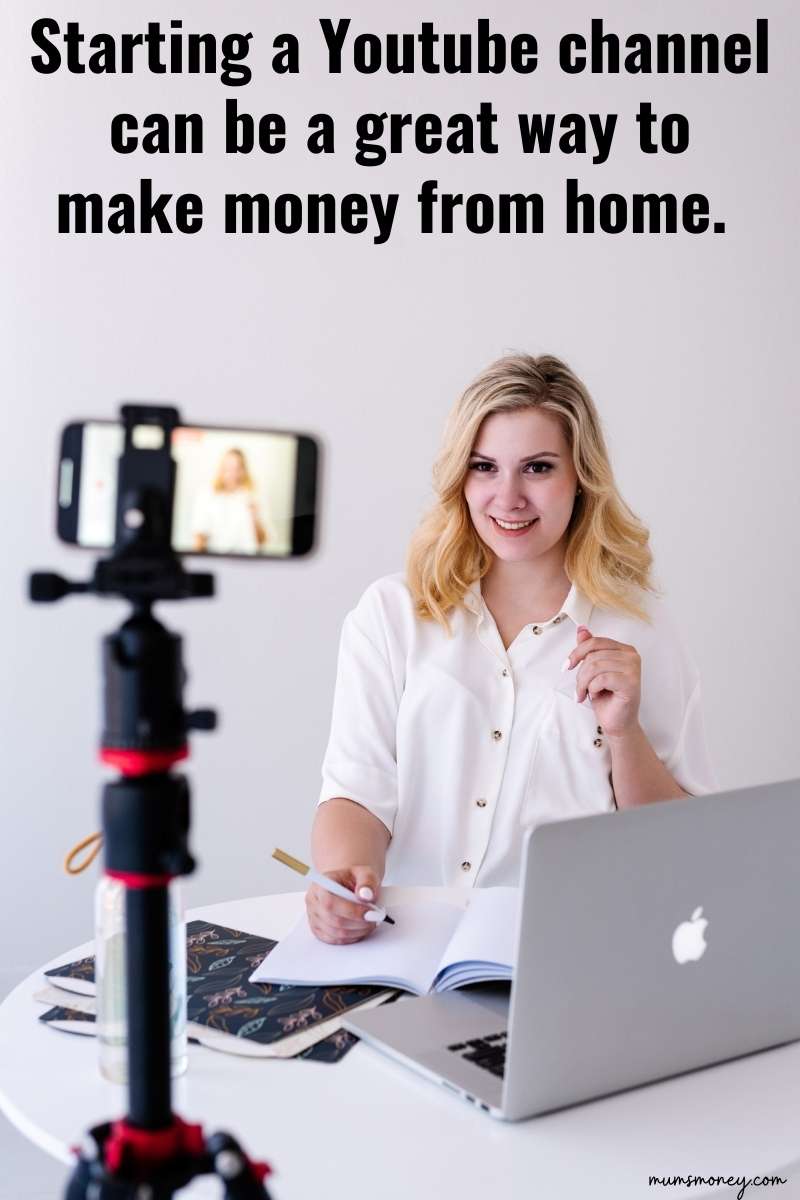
(434,946)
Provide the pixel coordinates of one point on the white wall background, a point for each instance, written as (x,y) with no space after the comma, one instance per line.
(688,345)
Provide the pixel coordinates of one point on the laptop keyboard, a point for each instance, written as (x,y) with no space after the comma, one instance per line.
(487,1052)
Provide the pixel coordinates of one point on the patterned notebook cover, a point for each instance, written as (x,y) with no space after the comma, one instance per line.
(76,976)
(70,1020)
(220,960)
(220,995)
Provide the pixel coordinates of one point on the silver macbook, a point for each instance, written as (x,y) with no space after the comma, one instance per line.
(651,941)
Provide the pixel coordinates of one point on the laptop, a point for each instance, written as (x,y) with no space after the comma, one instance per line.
(650,942)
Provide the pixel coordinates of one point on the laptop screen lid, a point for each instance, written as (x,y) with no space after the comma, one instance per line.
(653,941)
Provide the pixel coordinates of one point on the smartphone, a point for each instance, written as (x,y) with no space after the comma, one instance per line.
(239,493)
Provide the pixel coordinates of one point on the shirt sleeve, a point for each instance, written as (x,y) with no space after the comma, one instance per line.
(201,514)
(361,759)
(690,763)
(275,535)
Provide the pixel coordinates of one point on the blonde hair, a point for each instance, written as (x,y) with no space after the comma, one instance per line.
(607,555)
(247,481)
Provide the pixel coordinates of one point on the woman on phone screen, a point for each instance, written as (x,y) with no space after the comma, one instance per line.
(520,671)
(226,519)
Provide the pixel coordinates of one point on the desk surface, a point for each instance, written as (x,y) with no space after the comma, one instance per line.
(366,1126)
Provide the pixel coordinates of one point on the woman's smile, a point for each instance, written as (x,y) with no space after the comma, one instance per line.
(512,528)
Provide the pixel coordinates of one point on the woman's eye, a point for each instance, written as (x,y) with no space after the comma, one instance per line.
(532,468)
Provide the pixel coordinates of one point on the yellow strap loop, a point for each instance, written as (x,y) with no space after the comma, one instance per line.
(95,840)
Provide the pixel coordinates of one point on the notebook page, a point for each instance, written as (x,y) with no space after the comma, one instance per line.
(487,932)
(404,955)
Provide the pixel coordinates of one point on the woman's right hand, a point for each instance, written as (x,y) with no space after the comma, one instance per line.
(338,921)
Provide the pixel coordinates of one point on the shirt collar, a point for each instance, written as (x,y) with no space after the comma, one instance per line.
(577,606)
(473,600)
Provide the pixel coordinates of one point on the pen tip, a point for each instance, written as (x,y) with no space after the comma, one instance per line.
(388,920)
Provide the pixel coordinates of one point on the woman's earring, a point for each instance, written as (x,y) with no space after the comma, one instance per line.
(579,492)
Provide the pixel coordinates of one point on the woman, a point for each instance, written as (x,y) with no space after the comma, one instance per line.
(226,519)
(499,684)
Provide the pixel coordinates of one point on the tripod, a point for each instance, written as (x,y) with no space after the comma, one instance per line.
(150,1153)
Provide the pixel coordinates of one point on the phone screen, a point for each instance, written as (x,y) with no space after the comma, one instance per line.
(241,493)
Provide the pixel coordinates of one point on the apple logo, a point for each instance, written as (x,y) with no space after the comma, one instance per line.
(688,942)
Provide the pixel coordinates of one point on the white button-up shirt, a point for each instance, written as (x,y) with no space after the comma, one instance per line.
(457,744)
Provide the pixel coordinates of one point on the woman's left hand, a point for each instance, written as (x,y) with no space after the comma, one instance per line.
(610,674)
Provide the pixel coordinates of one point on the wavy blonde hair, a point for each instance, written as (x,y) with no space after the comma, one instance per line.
(607,556)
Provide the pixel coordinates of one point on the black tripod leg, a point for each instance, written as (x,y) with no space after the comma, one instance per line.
(242,1180)
(79,1181)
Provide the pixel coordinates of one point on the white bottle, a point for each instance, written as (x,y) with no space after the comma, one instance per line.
(112,1038)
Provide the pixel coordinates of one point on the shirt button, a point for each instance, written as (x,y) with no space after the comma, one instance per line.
(466,866)
(598,742)
(496,734)
(481,803)
(504,671)
(599,728)
(536,629)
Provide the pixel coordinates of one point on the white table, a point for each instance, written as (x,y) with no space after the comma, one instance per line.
(367,1127)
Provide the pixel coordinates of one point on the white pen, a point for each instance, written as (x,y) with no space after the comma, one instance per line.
(330,885)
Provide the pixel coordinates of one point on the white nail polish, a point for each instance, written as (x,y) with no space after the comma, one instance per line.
(374,916)
(366,893)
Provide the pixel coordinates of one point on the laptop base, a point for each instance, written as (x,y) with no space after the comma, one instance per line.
(417,1030)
